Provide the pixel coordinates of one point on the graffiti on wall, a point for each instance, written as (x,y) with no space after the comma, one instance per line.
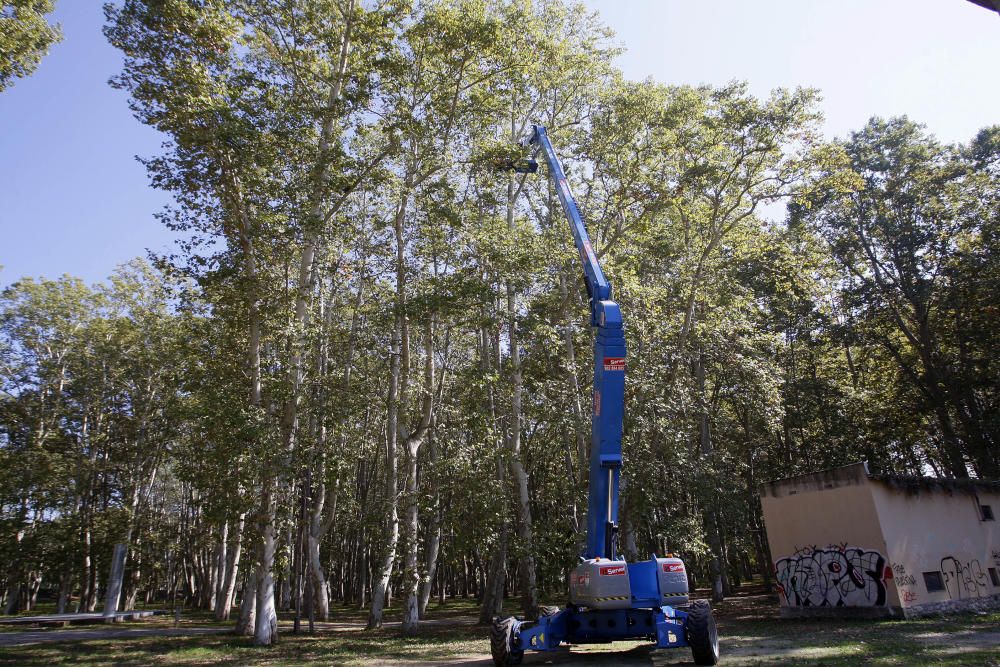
(963,579)
(905,583)
(837,576)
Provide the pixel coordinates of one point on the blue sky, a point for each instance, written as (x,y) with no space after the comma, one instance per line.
(933,60)
(73,199)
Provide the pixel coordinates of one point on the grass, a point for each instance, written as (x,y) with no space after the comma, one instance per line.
(352,646)
(754,635)
(751,632)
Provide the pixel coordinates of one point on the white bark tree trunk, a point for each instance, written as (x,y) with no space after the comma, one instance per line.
(391,483)
(325,502)
(233,196)
(115,577)
(411,572)
(221,565)
(227,591)
(432,546)
(266,620)
(318,528)
(411,577)
(248,607)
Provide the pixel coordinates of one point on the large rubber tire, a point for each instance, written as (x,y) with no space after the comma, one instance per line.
(548,611)
(702,634)
(502,643)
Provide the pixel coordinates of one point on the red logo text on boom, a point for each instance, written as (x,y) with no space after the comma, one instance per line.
(614,363)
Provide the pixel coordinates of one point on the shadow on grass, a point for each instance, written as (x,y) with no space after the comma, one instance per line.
(750,630)
(342,647)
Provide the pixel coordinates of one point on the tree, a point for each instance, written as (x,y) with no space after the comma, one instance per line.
(902,236)
(25,38)
(88,421)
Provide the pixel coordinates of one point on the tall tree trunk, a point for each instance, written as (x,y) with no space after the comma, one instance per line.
(411,571)
(629,547)
(432,544)
(398,391)
(491,581)
(34,584)
(411,576)
(391,483)
(134,581)
(572,379)
(221,565)
(248,606)
(324,501)
(115,576)
(87,594)
(526,558)
(285,583)
(362,572)
(15,571)
(705,448)
(495,579)
(306,276)
(397,380)
(238,207)
(65,586)
(266,620)
(318,528)
(227,591)
(12,596)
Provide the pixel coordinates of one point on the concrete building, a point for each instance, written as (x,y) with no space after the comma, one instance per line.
(846,541)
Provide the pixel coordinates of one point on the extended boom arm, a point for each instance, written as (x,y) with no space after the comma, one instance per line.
(609,369)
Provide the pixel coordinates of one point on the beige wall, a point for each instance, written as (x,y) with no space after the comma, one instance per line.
(826,540)
(930,529)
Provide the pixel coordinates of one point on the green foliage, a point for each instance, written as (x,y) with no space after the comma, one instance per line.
(902,239)
(25,37)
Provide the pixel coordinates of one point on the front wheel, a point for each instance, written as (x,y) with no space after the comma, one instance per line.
(702,634)
(503,642)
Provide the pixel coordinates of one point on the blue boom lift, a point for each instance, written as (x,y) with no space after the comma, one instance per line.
(610,599)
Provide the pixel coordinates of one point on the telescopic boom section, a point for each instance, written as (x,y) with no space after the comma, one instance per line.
(609,370)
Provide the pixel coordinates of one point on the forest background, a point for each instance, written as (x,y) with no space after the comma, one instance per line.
(362,374)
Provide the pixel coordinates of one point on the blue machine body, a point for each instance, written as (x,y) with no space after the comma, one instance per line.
(665,626)
(641,613)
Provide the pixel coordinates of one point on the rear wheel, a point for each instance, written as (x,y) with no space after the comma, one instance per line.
(548,611)
(702,634)
(503,642)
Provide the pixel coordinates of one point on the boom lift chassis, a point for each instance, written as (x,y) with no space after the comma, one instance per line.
(610,599)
